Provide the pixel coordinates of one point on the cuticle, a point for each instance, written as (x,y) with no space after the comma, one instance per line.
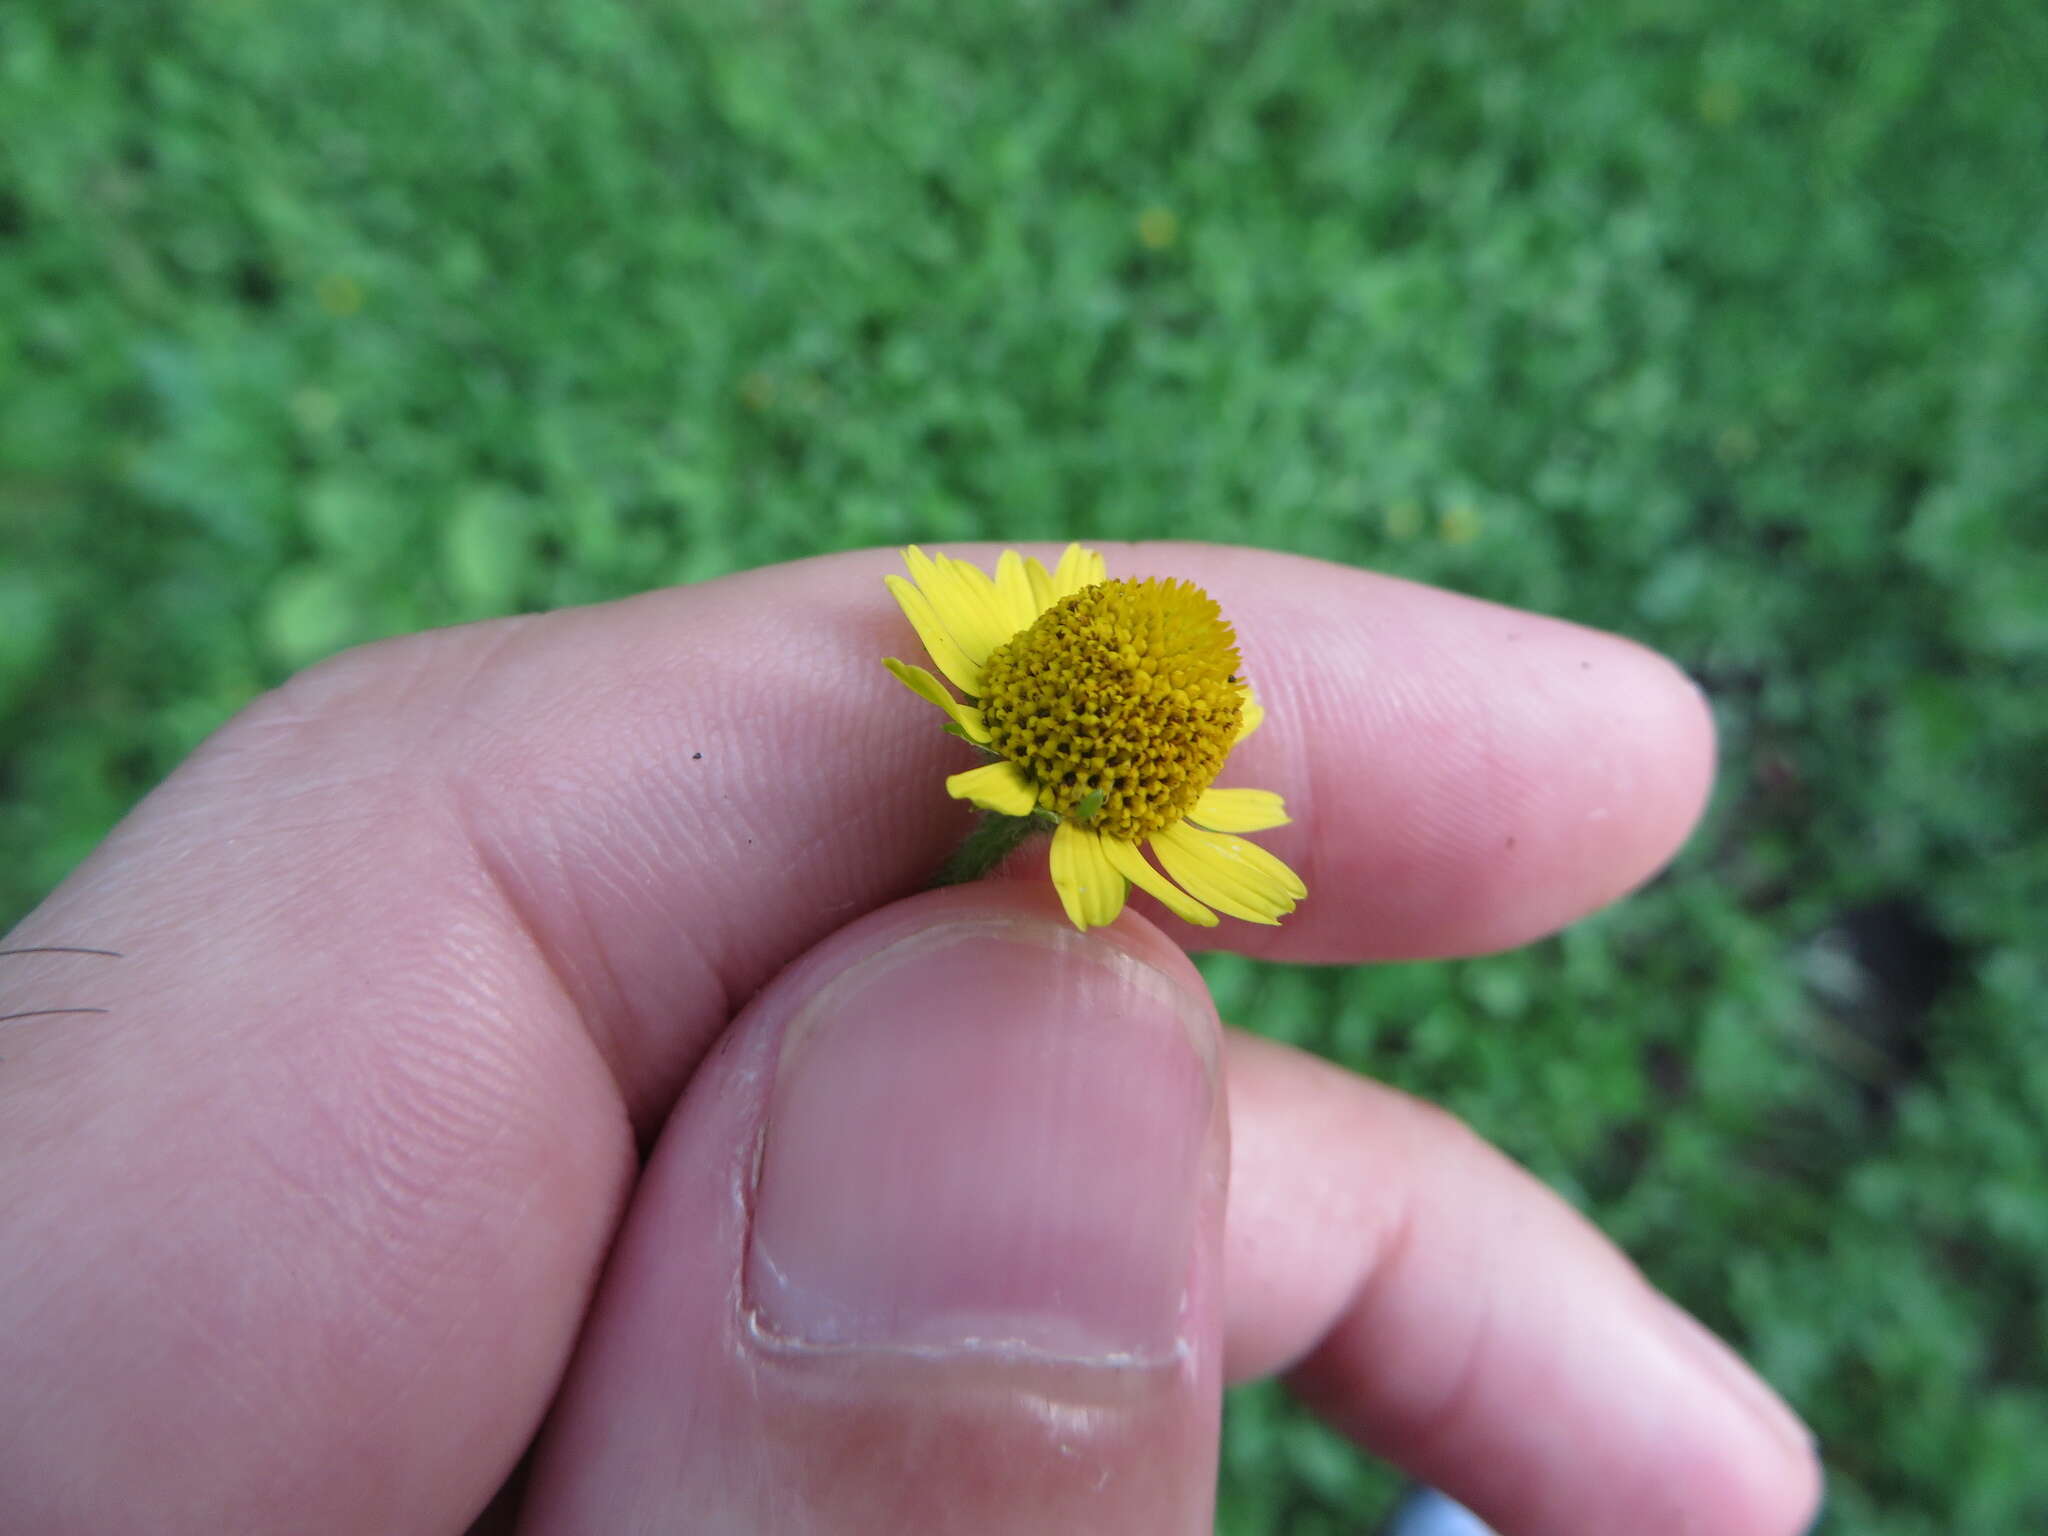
(1057,938)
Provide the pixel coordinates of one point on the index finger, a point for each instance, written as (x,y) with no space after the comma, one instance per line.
(1463,777)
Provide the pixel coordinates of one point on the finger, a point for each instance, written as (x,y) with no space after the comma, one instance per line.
(1454,1315)
(1463,777)
(929,1246)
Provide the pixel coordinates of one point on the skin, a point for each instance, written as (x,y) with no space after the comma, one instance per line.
(424,1124)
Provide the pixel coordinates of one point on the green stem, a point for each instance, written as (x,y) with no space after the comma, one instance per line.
(993,840)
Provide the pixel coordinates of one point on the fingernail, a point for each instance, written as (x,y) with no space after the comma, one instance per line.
(987,1137)
(1706,1350)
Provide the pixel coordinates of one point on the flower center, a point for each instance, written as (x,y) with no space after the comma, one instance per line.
(1121,703)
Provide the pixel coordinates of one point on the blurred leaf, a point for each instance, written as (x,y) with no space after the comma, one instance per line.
(486,553)
(309,613)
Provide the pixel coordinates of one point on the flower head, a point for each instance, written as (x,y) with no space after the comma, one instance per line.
(1106,708)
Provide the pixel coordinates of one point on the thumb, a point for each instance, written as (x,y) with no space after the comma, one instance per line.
(931,1244)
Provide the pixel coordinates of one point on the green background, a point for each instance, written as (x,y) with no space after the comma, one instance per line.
(1723,325)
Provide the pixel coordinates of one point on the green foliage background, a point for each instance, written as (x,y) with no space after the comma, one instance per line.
(1724,325)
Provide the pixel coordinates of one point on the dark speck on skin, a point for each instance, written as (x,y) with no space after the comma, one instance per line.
(696,757)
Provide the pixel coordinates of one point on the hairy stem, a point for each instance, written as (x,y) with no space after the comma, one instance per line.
(993,840)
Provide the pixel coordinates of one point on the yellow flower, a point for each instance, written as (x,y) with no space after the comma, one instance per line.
(1106,708)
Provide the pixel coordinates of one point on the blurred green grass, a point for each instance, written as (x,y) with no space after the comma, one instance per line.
(1724,326)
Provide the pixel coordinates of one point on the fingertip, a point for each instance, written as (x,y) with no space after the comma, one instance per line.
(1634,752)
(1776,1483)
(1675,721)
(1454,1315)
(1474,777)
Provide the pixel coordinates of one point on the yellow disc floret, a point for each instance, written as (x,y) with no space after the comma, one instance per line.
(1120,703)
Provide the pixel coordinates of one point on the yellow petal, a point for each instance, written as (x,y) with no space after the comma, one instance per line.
(1041,585)
(1228,873)
(1013,592)
(964,599)
(1128,862)
(1000,787)
(1090,888)
(1078,568)
(1239,810)
(930,689)
(939,643)
(982,602)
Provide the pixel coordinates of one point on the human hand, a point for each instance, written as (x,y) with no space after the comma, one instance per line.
(338,1205)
